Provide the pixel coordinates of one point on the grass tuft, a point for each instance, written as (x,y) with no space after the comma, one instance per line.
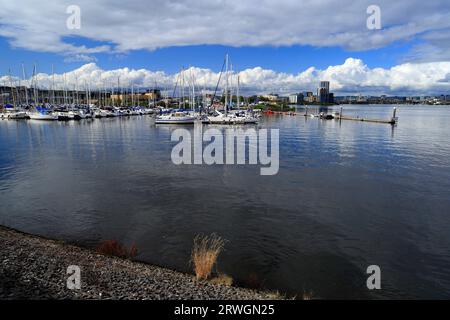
(223,280)
(308,295)
(204,254)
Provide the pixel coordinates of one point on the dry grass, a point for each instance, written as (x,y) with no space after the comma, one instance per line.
(275,295)
(204,254)
(308,295)
(223,280)
(115,248)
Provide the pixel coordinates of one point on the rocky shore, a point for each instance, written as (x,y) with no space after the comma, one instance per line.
(32,267)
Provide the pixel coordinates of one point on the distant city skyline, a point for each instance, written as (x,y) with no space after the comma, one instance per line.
(283,47)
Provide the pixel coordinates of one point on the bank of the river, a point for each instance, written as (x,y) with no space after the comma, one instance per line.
(33,267)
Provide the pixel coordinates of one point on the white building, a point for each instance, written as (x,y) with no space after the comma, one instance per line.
(296,98)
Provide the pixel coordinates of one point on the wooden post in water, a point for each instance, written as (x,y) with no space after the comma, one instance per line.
(306,111)
(394,113)
(340,113)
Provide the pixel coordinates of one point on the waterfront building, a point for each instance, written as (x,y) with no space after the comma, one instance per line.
(309,97)
(271,97)
(296,98)
(323,93)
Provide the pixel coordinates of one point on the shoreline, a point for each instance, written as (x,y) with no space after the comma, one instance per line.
(34,267)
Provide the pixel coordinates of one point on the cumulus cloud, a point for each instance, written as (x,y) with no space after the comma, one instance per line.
(120,26)
(353,76)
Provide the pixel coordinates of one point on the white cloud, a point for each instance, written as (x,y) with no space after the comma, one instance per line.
(353,76)
(121,26)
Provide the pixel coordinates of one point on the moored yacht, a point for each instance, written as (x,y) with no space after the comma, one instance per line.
(175,118)
(42,114)
(12,113)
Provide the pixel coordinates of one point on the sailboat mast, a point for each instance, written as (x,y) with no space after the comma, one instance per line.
(132,94)
(182,88)
(53,85)
(76,89)
(36,98)
(12,92)
(237,94)
(154,95)
(26,88)
(226,84)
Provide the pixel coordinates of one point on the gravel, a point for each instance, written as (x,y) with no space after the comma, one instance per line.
(32,267)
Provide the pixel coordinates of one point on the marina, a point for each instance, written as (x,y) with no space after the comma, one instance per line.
(341,187)
(224,150)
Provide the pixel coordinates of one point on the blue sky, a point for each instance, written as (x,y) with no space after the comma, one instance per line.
(276,45)
(288,59)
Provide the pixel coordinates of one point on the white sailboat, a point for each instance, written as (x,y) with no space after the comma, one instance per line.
(42,114)
(230,117)
(175,118)
(11,112)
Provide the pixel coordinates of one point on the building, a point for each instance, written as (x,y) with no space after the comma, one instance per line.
(153,94)
(282,99)
(271,97)
(296,98)
(309,97)
(323,93)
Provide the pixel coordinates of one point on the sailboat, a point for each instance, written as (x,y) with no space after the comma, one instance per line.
(12,114)
(180,116)
(230,117)
(42,113)
(39,113)
(11,110)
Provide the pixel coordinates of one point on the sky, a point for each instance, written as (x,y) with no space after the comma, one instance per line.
(282,46)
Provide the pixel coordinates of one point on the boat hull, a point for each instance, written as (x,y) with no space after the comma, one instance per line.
(39,116)
(174,121)
(14,116)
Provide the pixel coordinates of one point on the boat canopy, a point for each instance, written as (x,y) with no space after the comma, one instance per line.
(41,109)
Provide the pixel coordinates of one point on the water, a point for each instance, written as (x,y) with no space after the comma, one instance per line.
(347,195)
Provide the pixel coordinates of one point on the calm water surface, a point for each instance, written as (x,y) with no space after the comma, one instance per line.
(347,195)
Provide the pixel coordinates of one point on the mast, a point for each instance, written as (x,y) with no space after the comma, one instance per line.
(193,91)
(118,90)
(154,96)
(85,92)
(182,88)
(53,85)
(76,90)
(137,97)
(89,92)
(36,97)
(64,89)
(226,84)
(12,92)
(19,102)
(105,94)
(26,88)
(237,93)
(132,94)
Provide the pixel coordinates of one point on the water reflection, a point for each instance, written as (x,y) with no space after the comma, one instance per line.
(347,195)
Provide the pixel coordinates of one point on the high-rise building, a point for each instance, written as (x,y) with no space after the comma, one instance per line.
(325,85)
(323,93)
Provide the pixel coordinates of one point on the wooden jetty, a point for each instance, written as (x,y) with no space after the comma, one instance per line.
(392,121)
(340,116)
